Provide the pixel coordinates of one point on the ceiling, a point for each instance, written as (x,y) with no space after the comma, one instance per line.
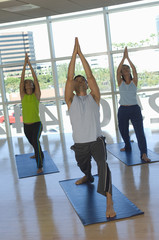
(12,10)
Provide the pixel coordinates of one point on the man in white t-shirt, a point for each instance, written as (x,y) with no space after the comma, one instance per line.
(85,119)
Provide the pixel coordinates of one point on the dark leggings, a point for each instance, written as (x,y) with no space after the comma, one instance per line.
(133,113)
(33,133)
(97,149)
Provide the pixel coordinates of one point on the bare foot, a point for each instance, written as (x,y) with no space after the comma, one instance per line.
(125,150)
(145,158)
(32,156)
(122,150)
(110,213)
(40,170)
(81,180)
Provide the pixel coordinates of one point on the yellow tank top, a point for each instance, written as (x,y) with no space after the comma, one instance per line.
(30,109)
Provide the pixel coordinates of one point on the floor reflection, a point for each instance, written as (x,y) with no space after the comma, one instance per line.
(44,209)
(37,207)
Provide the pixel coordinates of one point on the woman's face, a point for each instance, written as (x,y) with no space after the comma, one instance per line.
(29,86)
(125,70)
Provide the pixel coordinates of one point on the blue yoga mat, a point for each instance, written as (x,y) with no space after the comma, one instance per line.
(27,166)
(91,206)
(133,157)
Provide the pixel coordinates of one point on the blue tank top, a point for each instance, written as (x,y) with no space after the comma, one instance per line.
(85,119)
(128,94)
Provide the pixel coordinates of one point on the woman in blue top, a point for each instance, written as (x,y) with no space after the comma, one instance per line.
(129,108)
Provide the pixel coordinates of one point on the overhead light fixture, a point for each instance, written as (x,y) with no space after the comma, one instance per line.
(20,8)
(5,0)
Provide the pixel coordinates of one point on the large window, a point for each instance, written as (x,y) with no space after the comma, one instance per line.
(134,28)
(133,25)
(89,30)
(12,75)
(146,63)
(32,38)
(99,66)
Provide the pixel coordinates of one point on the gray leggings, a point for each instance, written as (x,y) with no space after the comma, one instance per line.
(97,149)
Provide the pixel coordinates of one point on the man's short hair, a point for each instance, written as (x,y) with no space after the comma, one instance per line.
(82,77)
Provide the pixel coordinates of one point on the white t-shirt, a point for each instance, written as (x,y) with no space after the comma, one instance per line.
(85,119)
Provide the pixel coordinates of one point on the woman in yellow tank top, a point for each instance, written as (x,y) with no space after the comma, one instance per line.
(30,97)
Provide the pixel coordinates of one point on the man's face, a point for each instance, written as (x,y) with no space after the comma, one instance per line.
(80,84)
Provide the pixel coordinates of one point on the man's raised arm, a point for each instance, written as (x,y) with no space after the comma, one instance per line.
(90,78)
(69,88)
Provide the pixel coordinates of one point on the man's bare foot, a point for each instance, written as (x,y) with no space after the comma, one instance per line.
(32,156)
(110,213)
(40,170)
(145,158)
(81,180)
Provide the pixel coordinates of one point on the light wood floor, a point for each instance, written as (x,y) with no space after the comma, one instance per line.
(37,208)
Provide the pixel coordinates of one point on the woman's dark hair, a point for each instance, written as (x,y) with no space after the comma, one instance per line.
(124,78)
(32,83)
(125,65)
